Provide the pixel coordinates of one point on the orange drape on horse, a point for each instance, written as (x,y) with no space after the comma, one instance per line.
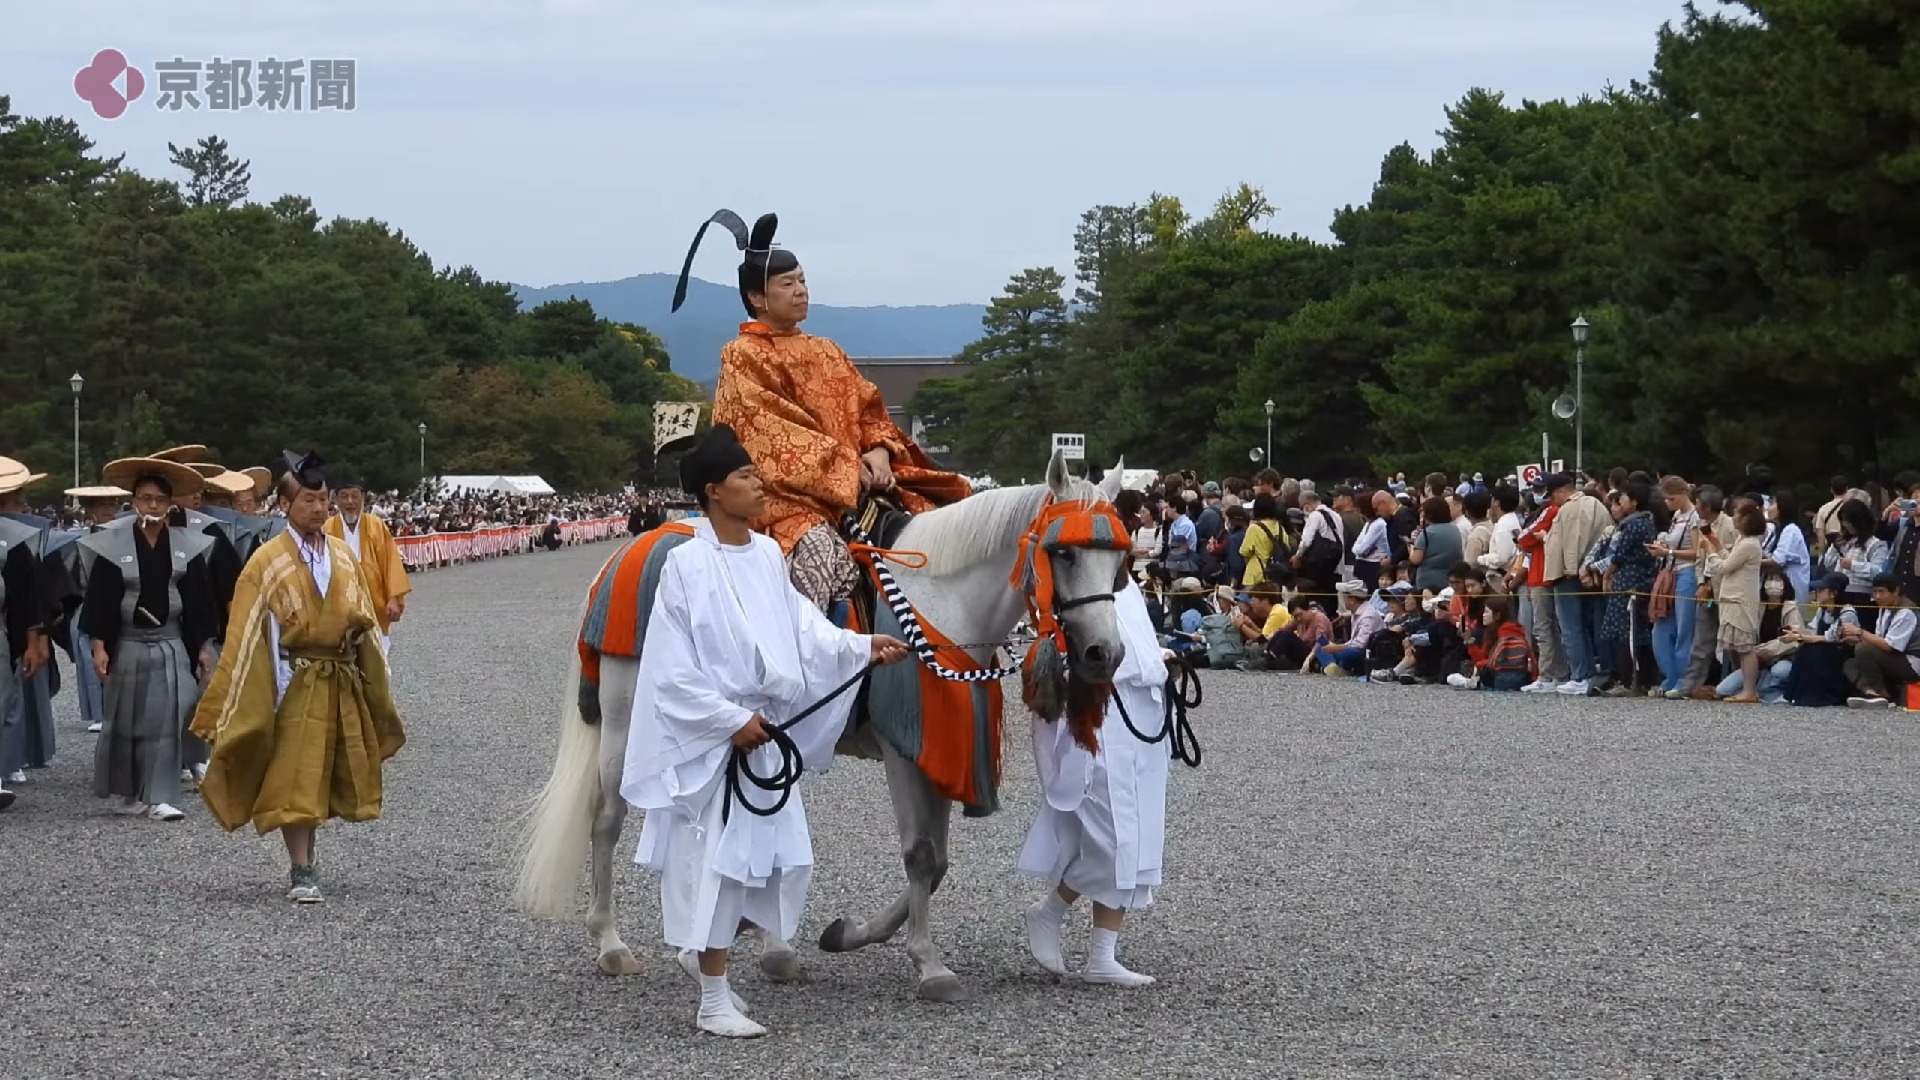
(805,415)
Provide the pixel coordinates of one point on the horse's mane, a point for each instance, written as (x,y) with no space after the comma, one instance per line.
(956,537)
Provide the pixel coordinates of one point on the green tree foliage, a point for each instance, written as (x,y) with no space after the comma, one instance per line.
(195,316)
(1017,368)
(1742,231)
(214,176)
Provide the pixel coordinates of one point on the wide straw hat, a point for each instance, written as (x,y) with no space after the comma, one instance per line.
(206,468)
(126,471)
(14,476)
(232,483)
(104,491)
(262,480)
(183,454)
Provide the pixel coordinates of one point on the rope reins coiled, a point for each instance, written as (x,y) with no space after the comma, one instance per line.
(792,763)
(1182,693)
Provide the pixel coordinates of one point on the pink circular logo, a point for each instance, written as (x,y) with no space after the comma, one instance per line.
(97,84)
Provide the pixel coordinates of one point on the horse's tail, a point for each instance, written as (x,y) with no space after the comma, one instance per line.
(556,833)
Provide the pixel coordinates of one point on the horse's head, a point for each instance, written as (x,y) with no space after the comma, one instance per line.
(1073,561)
(1089,566)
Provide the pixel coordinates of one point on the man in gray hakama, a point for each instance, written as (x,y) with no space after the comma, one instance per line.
(26,722)
(102,507)
(27,604)
(150,611)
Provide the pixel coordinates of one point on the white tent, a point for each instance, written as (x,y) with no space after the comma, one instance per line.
(510,485)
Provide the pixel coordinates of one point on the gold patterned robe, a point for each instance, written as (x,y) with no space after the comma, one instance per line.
(805,415)
(315,754)
(380,561)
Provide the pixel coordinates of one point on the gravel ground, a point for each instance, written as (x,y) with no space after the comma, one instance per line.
(1364,881)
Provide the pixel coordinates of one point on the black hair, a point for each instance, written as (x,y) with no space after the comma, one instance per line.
(157,480)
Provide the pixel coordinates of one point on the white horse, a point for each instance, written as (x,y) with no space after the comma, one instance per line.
(964,591)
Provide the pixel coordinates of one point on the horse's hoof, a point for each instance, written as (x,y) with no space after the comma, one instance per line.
(834,937)
(783,966)
(618,962)
(946,989)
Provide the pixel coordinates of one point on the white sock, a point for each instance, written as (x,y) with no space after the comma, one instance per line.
(715,996)
(1102,967)
(1044,923)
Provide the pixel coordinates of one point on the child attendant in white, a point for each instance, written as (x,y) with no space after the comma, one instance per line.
(1102,819)
(732,651)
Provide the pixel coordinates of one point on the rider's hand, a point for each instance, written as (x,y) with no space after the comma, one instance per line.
(876,469)
(886,650)
(753,734)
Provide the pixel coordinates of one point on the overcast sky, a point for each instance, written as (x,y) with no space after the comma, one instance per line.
(917,151)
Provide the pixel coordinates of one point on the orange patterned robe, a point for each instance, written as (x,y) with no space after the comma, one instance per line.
(805,415)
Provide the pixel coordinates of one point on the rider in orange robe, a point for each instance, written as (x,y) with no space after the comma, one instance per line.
(814,426)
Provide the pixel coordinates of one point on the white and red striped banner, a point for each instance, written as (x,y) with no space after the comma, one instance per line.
(436,548)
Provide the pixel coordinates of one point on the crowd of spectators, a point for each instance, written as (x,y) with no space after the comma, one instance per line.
(1622,585)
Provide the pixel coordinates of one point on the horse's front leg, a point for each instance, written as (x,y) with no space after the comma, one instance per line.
(922,815)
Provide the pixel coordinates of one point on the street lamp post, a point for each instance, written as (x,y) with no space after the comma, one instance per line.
(1269,407)
(77,383)
(423,450)
(1579,401)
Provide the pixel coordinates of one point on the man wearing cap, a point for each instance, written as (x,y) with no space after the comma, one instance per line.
(372,543)
(101,503)
(29,608)
(1577,525)
(1886,659)
(734,654)
(816,428)
(149,616)
(26,723)
(299,712)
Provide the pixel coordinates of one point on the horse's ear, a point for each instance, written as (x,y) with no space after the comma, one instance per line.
(1059,481)
(1111,484)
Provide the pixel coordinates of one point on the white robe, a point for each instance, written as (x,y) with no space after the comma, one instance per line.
(1102,823)
(729,637)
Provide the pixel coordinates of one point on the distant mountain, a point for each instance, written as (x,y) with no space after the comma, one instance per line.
(712,315)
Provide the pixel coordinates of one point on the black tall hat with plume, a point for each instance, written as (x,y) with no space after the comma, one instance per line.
(760,262)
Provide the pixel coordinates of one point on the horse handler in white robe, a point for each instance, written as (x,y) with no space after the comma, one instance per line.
(732,651)
(1101,827)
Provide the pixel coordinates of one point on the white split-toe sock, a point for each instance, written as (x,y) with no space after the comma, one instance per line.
(719,1016)
(1045,920)
(1103,968)
(690,963)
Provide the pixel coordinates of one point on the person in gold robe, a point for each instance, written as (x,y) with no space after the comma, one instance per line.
(299,712)
(372,543)
(815,426)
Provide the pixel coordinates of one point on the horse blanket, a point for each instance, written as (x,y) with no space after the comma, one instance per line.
(618,604)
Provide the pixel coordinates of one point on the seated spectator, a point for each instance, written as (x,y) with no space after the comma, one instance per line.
(1780,626)
(1817,678)
(1510,662)
(1262,613)
(1225,647)
(1388,646)
(1293,646)
(1887,659)
(1188,608)
(1366,613)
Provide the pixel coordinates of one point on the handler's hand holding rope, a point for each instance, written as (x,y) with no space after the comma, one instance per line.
(756,733)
